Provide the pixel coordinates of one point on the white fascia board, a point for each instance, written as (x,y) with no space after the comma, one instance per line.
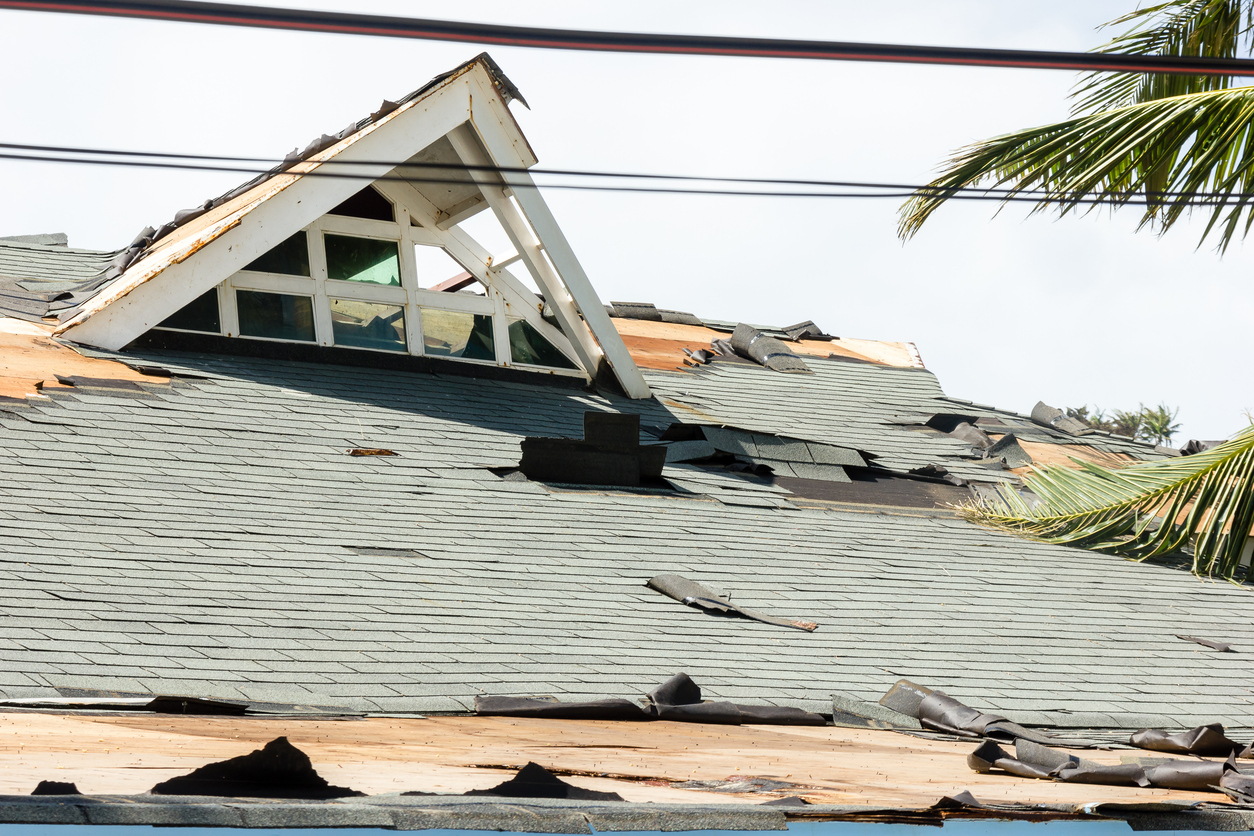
(169,278)
(491,122)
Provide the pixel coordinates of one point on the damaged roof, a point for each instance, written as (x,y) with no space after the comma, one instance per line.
(285,536)
(208,533)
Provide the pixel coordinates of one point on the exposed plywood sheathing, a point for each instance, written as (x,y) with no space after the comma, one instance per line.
(660,345)
(1062,454)
(641,762)
(30,359)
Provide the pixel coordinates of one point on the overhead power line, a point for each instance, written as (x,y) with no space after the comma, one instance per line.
(411,173)
(303,20)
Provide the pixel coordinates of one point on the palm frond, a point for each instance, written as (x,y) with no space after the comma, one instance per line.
(1162,153)
(1197,28)
(1152,508)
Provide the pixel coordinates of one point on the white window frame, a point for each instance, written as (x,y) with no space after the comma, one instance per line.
(505,299)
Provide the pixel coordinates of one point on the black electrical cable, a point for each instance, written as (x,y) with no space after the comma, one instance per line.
(964,193)
(190,11)
(556,172)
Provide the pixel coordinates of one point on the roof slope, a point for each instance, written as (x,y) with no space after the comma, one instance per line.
(41,280)
(211,536)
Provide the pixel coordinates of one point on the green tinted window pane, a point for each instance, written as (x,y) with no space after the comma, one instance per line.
(201,314)
(527,345)
(362,260)
(291,258)
(457,334)
(368,325)
(275,315)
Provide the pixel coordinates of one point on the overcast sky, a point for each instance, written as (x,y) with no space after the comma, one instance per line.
(1006,309)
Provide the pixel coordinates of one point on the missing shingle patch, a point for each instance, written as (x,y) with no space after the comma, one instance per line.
(370,451)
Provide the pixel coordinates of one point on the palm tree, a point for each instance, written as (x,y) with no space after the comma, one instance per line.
(1169,143)
(1204,502)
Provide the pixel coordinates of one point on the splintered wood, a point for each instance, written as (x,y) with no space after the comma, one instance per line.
(30,360)
(660,345)
(128,754)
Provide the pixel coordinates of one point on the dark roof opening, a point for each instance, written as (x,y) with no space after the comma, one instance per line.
(368,204)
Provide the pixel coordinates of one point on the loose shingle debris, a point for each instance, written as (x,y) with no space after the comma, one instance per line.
(1222,647)
(1032,760)
(1049,416)
(158,705)
(534,781)
(679,698)
(778,455)
(55,788)
(552,709)
(1207,741)
(1009,452)
(938,712)
(650,313)
(749,342)
(610,454)
(278,770)
(973,435)
(695,595)
(807,331)
(1194,446)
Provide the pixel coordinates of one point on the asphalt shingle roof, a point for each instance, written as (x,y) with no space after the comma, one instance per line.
(210,536)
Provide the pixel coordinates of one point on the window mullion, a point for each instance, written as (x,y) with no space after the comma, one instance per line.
(323,332)
(409,281)
(500,328)
(226,308)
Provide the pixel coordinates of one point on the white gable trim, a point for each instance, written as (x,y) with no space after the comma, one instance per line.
(214,248)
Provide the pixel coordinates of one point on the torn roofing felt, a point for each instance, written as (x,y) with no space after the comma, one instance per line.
(678,698)
(534,781)
(1033,760)
(694,594)
(277,770)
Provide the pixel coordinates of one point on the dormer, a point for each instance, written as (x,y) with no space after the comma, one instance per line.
(358,243)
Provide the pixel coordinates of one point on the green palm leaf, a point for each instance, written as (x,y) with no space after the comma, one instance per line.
(1154,139)
(1196,28)
(1199,142)
(1147,509)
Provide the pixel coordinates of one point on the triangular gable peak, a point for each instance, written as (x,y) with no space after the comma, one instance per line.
(335,260)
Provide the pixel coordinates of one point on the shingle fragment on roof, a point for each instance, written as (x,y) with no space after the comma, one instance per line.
(219,516)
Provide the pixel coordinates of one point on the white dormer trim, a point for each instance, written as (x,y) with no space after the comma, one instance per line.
(468,109)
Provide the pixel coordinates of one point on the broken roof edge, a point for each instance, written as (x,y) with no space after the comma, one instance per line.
(557,815)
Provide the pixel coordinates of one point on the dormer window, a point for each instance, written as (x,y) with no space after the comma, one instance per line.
(386,261)
(347,280)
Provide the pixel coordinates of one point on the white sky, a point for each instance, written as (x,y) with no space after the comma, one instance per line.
(1006,310)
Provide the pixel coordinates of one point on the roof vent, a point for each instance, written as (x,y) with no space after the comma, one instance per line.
(610,454)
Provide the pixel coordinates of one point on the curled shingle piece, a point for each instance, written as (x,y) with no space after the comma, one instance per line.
(749,342)
(1207,740)
(695,595)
